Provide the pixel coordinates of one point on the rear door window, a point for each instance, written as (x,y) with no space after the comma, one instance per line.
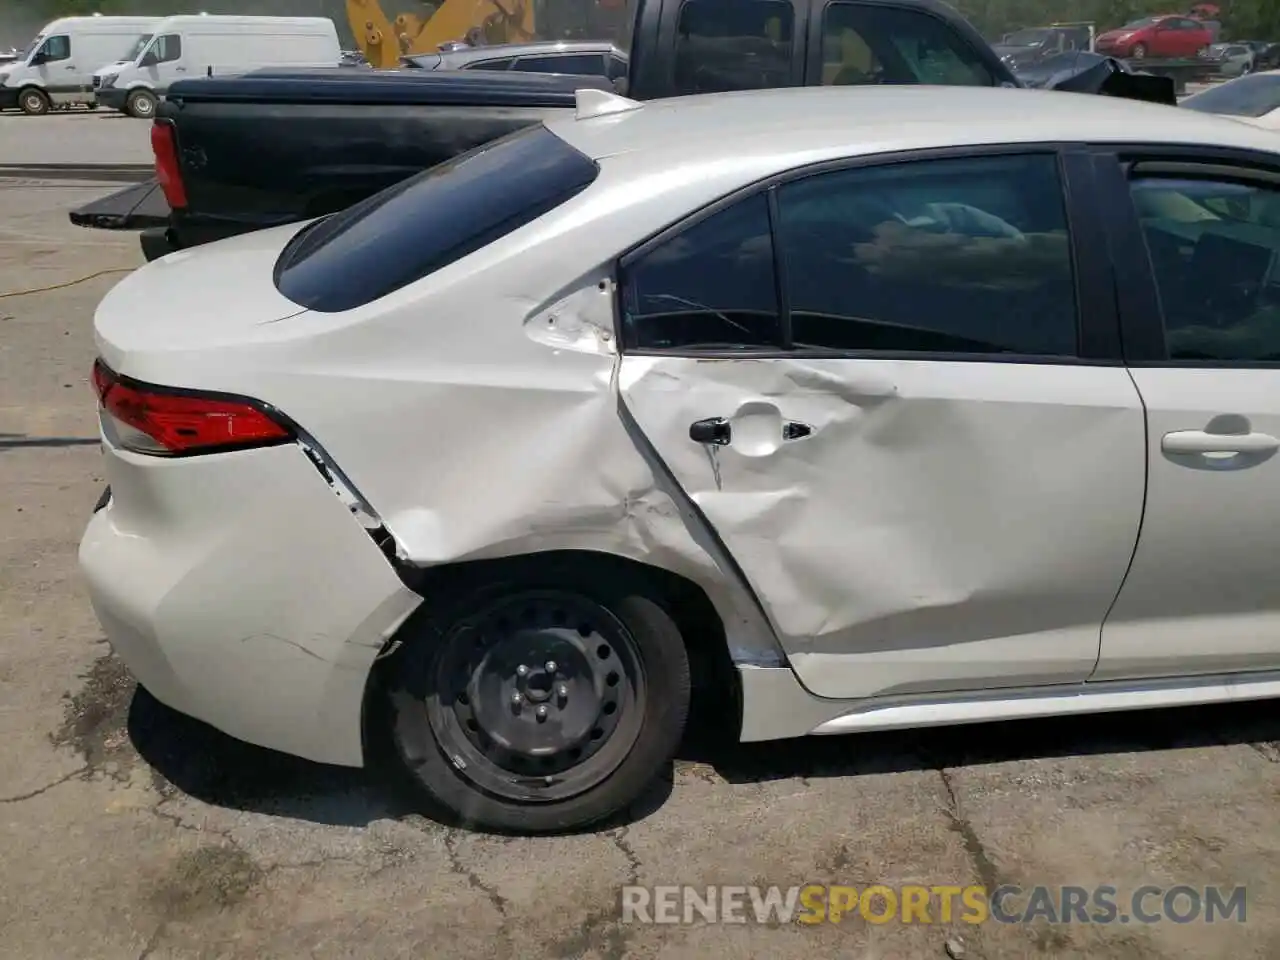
(865,43)
(503,64)
(1247,97)
(429,221)
(590,64)
(726,45)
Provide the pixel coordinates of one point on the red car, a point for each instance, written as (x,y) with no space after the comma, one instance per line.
(1163,36)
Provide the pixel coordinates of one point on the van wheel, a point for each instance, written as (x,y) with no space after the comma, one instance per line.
(34,101)
(538,706)
(141,104)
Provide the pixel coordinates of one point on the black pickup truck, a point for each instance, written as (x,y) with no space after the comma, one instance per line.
(236,154)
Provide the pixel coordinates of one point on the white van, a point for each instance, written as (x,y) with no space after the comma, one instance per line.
(57,67)
(204,45)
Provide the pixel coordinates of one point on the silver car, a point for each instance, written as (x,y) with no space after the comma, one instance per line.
(1233,59)
(589,57)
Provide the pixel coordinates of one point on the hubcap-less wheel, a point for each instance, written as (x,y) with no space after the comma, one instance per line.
(537,698)
(34,102)
(142,105)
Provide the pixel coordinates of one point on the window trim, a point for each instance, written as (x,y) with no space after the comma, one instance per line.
(1097,326)
(1141,316)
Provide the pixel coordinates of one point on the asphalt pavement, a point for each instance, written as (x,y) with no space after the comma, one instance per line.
(127,831)
(77,136)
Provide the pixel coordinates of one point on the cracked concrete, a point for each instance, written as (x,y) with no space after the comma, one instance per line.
(173,842)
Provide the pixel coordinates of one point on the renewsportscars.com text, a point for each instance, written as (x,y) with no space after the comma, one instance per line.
(916,903)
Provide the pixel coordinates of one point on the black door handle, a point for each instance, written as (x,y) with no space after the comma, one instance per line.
(712,430)
(795,430)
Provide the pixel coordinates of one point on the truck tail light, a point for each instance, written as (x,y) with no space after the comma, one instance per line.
(165,422)
(164,144)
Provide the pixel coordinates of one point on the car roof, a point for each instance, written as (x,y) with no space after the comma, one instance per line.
(506,50)
(855,120)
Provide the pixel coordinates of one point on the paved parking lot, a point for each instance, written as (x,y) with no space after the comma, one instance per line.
(73,136)
(129,832)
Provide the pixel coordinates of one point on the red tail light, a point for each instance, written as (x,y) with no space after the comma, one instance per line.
(166,423)
(164,144)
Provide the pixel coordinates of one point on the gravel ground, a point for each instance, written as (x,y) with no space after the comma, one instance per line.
(129,832)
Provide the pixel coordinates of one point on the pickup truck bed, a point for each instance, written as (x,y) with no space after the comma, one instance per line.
(279,146)
(275,147)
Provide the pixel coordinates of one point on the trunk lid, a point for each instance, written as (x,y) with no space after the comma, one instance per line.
(217,295)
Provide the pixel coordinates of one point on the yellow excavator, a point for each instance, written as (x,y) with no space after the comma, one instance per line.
(383,41)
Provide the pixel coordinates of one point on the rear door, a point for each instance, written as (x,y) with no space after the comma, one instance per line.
(893,392)
(1197,241)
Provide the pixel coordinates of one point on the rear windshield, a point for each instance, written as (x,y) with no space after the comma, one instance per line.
(1246,97)
(441,215)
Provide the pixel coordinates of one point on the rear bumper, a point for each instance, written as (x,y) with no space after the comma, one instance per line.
(113,98)
(8,98)
(238,589)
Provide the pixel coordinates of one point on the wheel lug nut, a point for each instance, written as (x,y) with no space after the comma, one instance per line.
(562,691)
(517,698)
(550,666)
(522,671)
(542,712)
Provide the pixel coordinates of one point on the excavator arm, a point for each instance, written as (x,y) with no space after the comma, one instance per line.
(383,41)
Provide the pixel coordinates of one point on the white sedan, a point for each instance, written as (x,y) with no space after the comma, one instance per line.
(862,407)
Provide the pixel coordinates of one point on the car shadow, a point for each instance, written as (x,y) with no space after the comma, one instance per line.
(218,770)
(1256,725)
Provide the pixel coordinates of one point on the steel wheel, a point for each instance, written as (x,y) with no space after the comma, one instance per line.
(141,104)
(33,102)
(536,697)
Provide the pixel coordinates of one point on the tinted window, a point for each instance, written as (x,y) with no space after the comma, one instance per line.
(733,45)
(710,286)
(865,43)
(587,63)
(960,256)
(1213,252)
(1247,97)
(426,222)
(56,48)
(504,64)
(168,48)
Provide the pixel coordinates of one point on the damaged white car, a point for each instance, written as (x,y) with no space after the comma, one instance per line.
(868,407)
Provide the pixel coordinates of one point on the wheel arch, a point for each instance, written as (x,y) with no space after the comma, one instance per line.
(717,690)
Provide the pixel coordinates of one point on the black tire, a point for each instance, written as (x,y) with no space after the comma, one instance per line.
(34,102)
(451,767)
(141,104)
